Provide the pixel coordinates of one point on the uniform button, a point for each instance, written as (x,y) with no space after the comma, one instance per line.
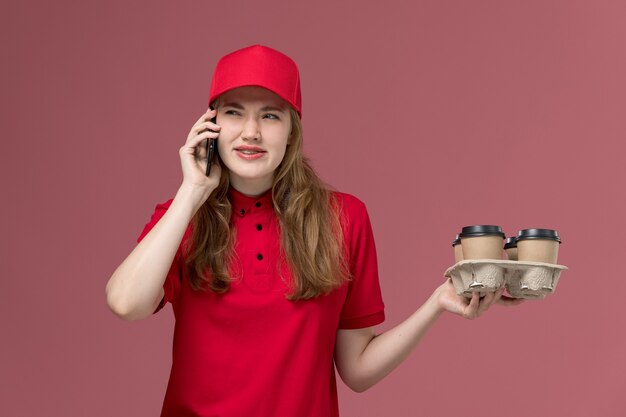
(258,204)
(242,212)
(260,256)
(259,227)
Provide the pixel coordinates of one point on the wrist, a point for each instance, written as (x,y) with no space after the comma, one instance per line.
(194,195)
(435,301)
(190,197)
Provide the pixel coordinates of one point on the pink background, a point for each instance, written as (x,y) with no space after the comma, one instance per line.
(437,114)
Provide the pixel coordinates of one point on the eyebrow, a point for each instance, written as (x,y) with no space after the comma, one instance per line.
(264,108)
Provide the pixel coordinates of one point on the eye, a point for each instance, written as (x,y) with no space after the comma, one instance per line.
(232,112)
(271,116)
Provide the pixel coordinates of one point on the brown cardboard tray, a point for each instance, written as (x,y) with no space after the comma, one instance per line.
(531,280)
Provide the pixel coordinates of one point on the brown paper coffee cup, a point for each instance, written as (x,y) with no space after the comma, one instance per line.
(538,245)
(510,247)
(482,242)
(458,250)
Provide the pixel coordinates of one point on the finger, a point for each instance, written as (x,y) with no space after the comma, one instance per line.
(207,115)
(472,307)
(216,168)
(457,304)
(485,303)
(497,296)
(194,139)
(191,147)
(200,151)
(206,126)
(198,146)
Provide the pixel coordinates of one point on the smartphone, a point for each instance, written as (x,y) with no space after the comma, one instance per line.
(211,150)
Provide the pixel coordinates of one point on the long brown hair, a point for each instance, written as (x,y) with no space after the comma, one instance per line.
(310,227)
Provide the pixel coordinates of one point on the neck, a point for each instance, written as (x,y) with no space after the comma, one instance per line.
(251,188)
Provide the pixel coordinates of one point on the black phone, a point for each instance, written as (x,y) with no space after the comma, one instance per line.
(211,150)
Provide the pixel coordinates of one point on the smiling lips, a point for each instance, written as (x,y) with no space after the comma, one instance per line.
(249,152)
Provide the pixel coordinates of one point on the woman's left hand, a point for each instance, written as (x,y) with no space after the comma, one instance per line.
(448,300)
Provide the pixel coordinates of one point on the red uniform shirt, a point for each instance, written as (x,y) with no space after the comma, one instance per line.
(250,351)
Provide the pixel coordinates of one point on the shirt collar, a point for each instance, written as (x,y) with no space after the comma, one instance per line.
(243,204)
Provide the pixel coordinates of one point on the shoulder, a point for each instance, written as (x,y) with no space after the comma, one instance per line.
(352,210)
(349,201)
(159,211)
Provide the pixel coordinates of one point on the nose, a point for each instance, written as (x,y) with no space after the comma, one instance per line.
(251,129)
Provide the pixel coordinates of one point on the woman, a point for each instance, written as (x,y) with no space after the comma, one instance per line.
(271,276)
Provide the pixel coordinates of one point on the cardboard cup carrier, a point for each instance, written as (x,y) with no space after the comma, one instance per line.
(531,271)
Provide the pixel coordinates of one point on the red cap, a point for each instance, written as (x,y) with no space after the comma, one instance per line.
(260,66)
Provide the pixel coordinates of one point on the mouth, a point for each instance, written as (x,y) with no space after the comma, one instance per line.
(249,150)
(250,153)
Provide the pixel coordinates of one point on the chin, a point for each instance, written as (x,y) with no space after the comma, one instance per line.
(250,176)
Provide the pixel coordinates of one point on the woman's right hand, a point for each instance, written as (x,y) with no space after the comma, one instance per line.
(193,156)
